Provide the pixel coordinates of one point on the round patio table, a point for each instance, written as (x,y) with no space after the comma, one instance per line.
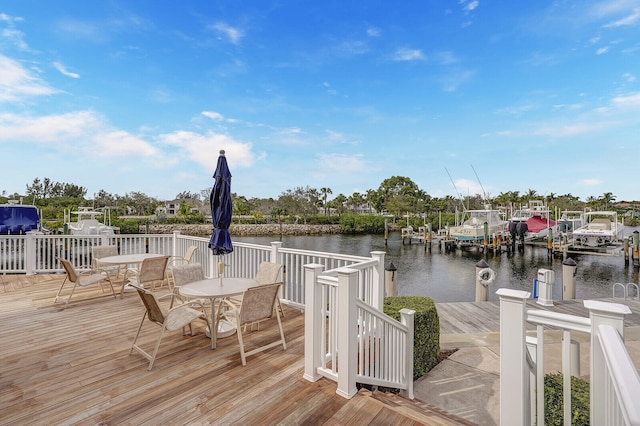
(217,288)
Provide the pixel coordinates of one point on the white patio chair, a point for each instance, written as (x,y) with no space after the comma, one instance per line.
(258,304)
(97,253)
(152,270)
(186,258)
(174,319)
(82,280)
(184,274)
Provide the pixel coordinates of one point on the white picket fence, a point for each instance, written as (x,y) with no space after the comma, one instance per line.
(345,289)
(614,380)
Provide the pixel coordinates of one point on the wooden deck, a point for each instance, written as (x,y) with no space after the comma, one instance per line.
(73,366)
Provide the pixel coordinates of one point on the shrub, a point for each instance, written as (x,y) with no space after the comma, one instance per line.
(129,226)
(361,224)
(553,400)
(426,339)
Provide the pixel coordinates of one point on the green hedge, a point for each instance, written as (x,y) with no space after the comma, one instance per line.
(361,224)
(553,400)
(426,339)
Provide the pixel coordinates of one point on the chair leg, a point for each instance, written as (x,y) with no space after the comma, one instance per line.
(155,351)
(280,307)
(241,344)
(60,290)
(135,339)
(284,344)
(111,285)
(69,299)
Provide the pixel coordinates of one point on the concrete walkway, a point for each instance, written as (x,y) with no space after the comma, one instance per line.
(467,384)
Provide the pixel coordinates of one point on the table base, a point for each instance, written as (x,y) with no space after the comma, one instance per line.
(225,329)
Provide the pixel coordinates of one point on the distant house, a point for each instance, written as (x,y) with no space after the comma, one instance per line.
(171,208)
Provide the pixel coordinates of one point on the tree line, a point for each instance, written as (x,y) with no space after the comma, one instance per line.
(396,197)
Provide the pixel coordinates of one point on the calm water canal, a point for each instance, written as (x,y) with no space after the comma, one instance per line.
(450,277)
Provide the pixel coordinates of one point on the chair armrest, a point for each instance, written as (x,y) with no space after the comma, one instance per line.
(191,304)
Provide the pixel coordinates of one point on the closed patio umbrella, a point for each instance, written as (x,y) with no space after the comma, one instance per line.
(221,211)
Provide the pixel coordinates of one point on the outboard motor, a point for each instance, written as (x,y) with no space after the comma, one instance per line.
(521,230)
(512,231)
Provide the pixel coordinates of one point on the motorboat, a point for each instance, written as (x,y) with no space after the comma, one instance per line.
(19,219)
(599,229)
(474,224)
(570,220)
(537,219)
(86,222)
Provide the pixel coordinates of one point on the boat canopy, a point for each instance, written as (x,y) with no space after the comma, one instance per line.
(16,219)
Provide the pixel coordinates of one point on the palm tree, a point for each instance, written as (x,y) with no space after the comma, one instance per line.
(606,199)
(325,192)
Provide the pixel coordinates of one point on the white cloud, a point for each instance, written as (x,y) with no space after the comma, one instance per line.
(352,47)
(591,182)
(406,54)
(233,34)
(118,143)
(373,32)
(453,80)
(628,20)
(446,58)
(14,36)
(471,6)
(216,116)
(292,131)
(204,149)
(16,82)
(575,129)
(343,163)
(63,70)
(629,101)
(82,132)
(602,50)
(467,187)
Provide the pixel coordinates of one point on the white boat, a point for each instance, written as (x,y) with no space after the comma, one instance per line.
(472,228)
(599,229)
(569,221)
(87,224)
(537,218)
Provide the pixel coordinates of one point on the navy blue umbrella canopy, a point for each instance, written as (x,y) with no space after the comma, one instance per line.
(221,208)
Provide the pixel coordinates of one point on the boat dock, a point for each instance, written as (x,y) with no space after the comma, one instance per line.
(629,248)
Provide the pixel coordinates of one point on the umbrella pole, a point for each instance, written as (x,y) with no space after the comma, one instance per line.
(220,268)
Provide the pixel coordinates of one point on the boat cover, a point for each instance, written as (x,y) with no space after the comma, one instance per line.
(18,219)
(536,224)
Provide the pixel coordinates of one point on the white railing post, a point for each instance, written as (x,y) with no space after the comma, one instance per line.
(30,254)
(275,256)
(348,332)
(600,313)
(407,318)
(377,281)
(174,249)
(312,322)
(514,371)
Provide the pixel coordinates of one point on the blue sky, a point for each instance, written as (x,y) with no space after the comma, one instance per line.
(141,95)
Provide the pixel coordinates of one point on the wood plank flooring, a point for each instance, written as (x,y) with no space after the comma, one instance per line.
(73,366)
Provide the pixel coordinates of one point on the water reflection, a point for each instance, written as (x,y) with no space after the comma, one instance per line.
(450,277)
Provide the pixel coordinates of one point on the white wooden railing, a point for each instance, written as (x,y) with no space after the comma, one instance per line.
(345,289)
(376,350)
(614,380)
